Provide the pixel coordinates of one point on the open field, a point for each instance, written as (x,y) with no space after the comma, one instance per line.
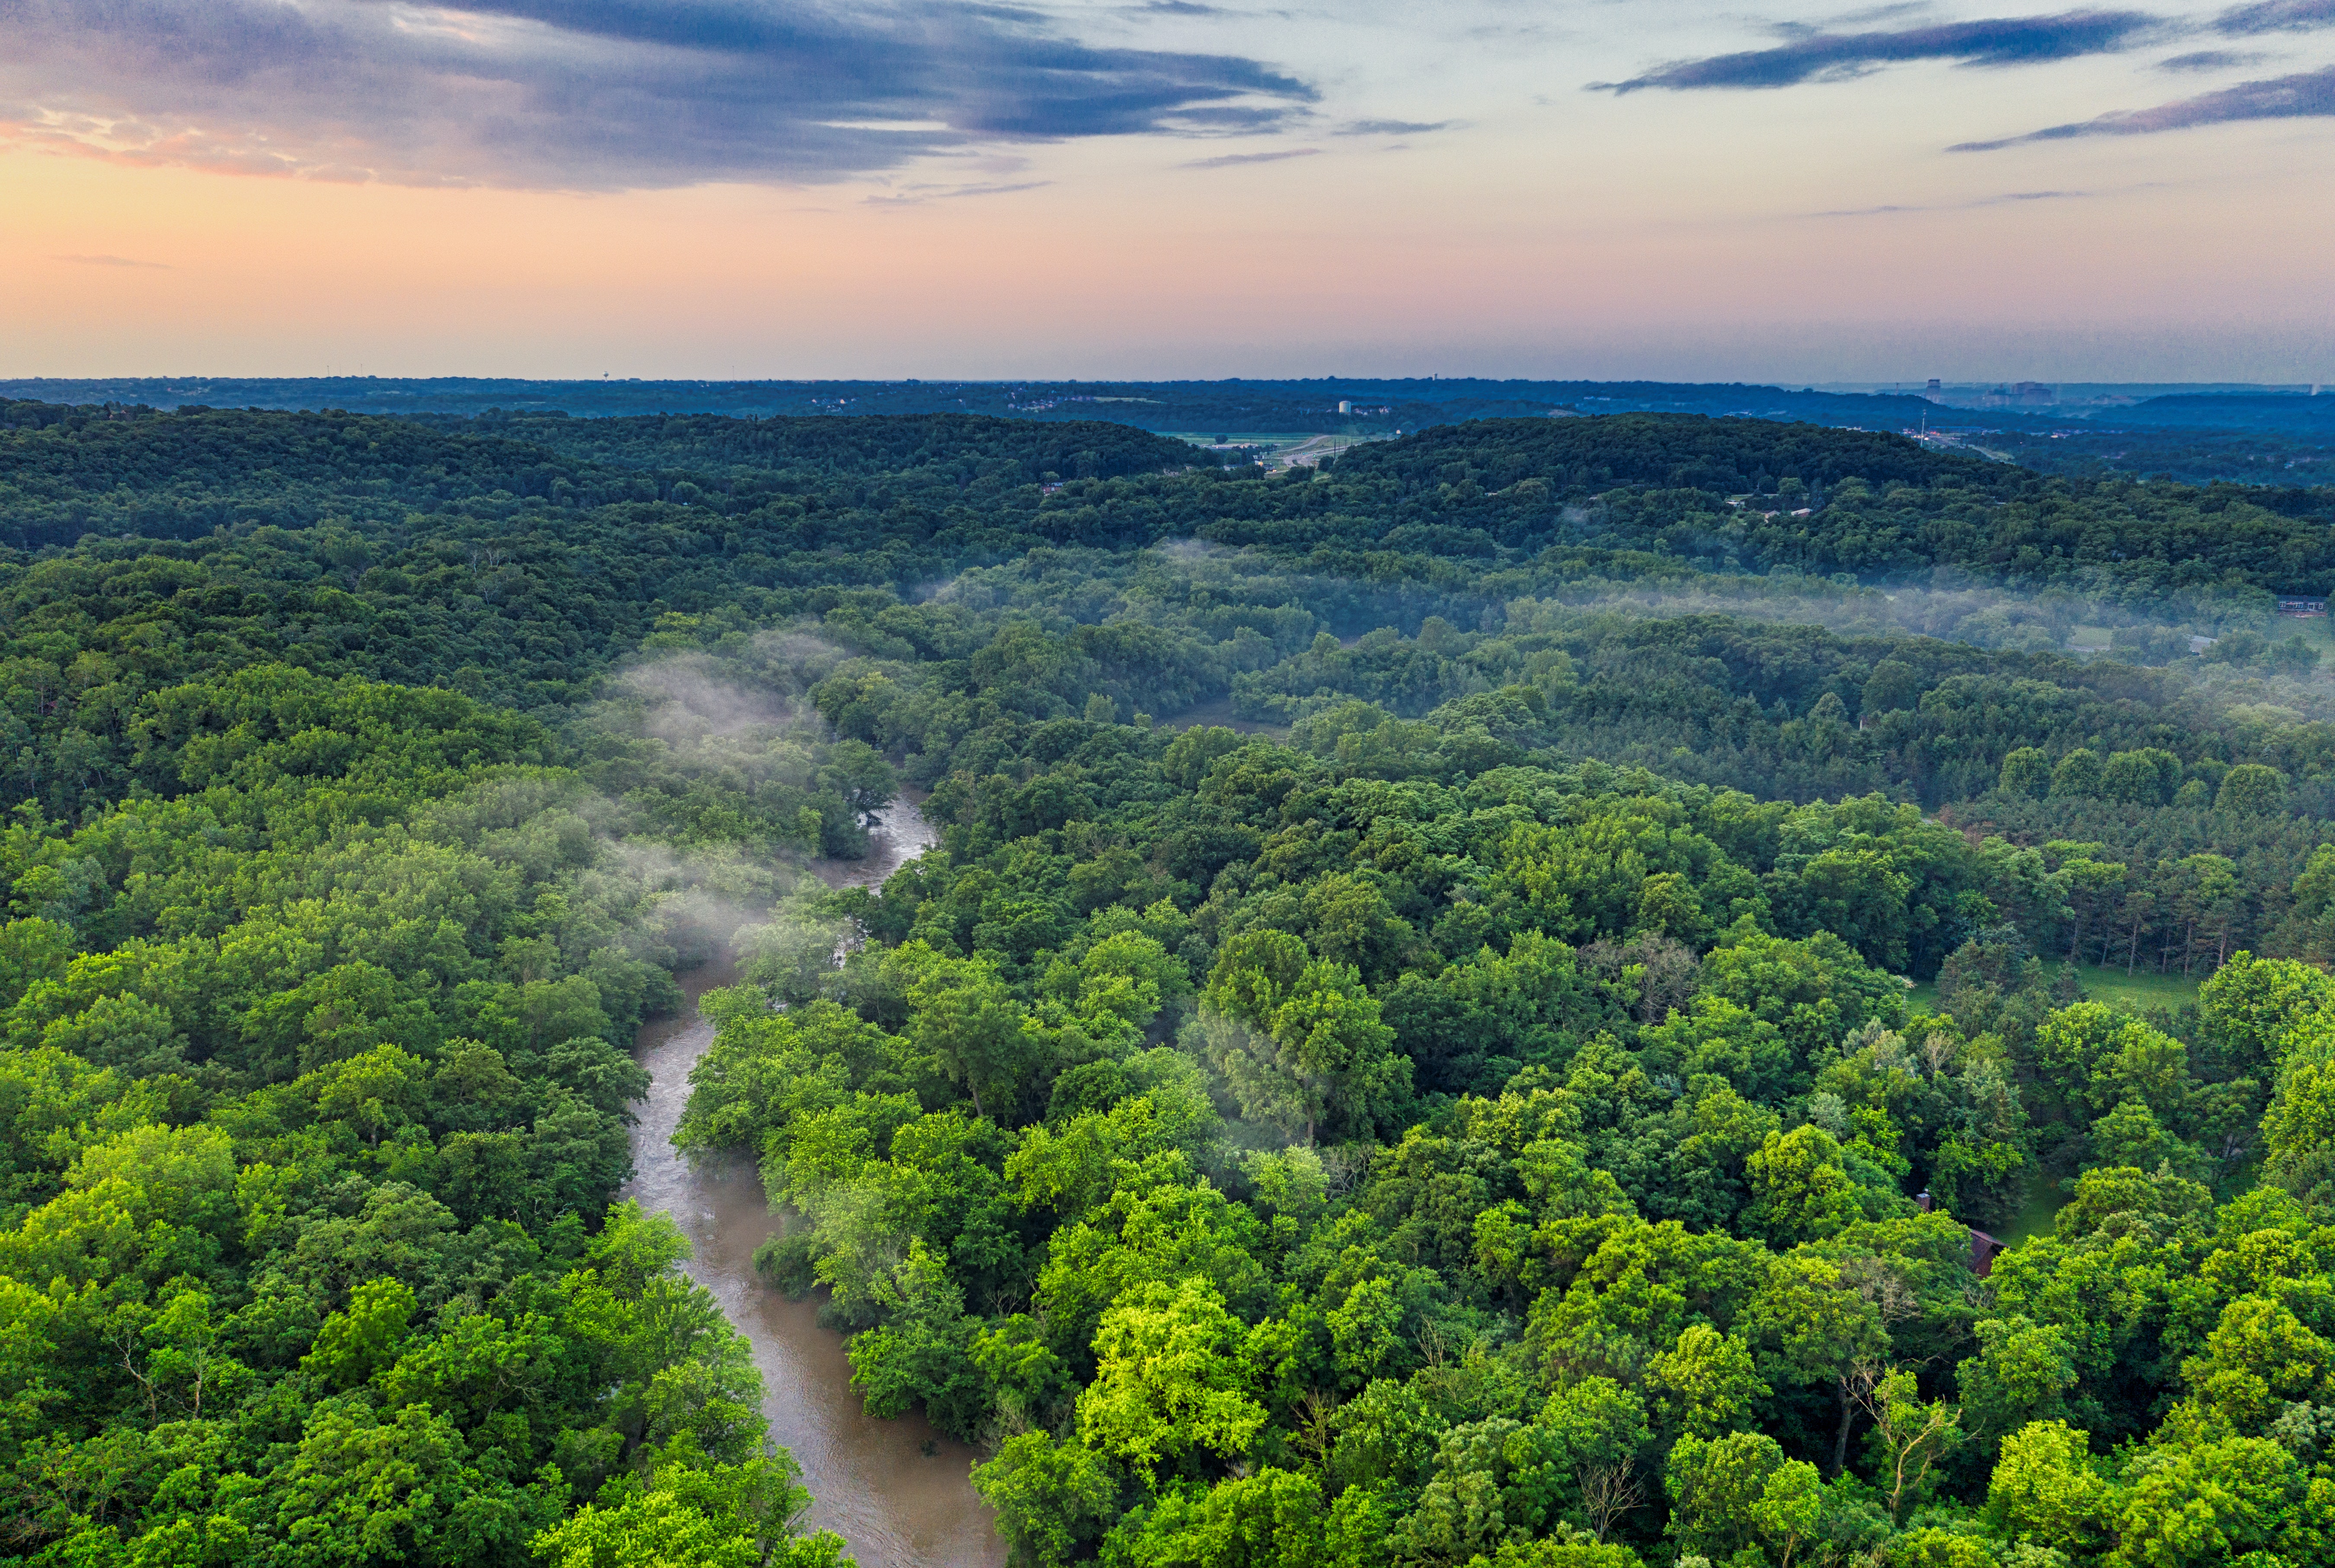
(2136,993)
(2139,992)
(1220,712)
(1283,449)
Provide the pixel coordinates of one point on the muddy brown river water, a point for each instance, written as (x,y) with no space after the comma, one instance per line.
(895,1490)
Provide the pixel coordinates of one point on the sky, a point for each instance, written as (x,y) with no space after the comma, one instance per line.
(1168,189)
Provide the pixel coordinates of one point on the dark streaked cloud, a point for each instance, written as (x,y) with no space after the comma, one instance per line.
(2275,16)
(2307,94)
(588,94)
(1393,127)
(1830,56)
(920,196)
(1234,160)
(2207,59)
(2007,199)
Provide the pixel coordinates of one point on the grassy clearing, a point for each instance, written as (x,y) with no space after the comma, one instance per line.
(2318,630)
(2136,992)
(2139,992)
(2044,1201)
(1220,712)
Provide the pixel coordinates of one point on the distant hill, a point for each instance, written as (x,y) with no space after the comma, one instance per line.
(1726,456)
(2289,412)
(1373,405)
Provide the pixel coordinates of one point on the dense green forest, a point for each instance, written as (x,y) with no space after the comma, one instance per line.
(1406,1050)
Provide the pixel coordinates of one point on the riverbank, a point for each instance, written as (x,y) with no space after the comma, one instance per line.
(897,1491)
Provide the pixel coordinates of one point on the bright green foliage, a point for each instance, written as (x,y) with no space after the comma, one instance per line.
(1798,1190)
(1273,1519)
(1051,1497)
(1169,1380)
(2078,774)
(354,1344)
(2047,1489)
(687,1514)
(1708,1384)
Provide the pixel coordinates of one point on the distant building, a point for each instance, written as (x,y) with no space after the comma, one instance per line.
(2302,606)
(1983,1248)
(1345,408)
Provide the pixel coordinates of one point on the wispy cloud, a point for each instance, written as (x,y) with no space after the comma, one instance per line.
(2307,94)
(1820,56)
(2207,59)
(2007,199)
(1232,159)
(2275,16)
(1393,127)
(918,197)
(589,94)
(113,261)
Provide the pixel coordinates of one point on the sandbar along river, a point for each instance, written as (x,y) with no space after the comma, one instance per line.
(895,1490)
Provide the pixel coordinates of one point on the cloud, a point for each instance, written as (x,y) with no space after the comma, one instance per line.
(1393,127)
(1230,159)
(112,261)
(2275,16)
(2207,59)
(588,94)
(917,198)
(1832,56)
(2305,95)
(2007,199)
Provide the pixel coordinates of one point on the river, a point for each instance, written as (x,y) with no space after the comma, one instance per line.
(895,1490)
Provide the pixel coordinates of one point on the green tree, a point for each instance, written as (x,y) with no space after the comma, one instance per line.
(2022,1374)
(963,1016)
(2077,776)
(1799,1191)
(2299,1130)
(1707,1385)
(354,1344)
(2026,773)
(690,1514)
(1715,1488)
(1911,1438)
(1817,1327)
(1892,686)
(2146,776)
(1170,1380)
(1299,1040)
(2047,1489)
(2251,789)
(1052,1497)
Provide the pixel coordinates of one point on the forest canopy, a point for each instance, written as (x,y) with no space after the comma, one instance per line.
(1496,1002)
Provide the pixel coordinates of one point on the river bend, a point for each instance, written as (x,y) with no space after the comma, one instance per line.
(897,1491)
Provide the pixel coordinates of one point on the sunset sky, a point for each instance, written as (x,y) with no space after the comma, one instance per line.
(746,188)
